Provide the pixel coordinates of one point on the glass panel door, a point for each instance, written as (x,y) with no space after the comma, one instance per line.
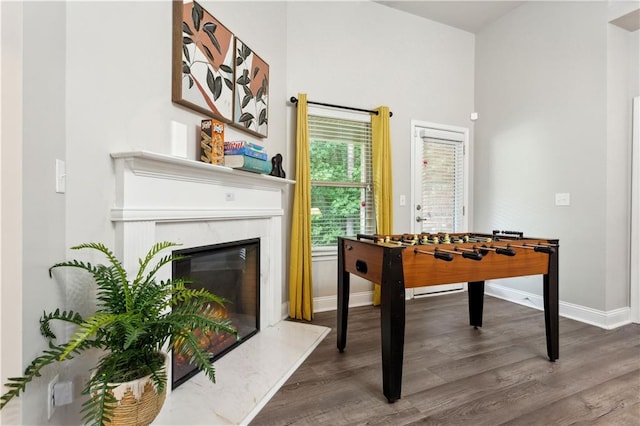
(439,184)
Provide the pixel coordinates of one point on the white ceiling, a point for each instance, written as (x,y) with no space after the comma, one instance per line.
(471,16)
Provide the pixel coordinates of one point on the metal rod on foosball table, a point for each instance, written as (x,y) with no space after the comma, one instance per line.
(477,239)
(535,247)
(506,251)
(404,243)
(466,253)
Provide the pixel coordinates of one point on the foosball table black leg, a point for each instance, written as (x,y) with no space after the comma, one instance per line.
(392,323)
(476,302)
(551,307)
(343,299)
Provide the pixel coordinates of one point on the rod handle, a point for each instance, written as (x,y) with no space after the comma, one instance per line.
(543,249)
(505,251)
(443,256)
(473,255)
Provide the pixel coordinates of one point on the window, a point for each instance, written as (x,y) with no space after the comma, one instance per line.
(341,178)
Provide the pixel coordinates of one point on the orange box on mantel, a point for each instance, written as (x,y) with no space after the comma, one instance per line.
(212,141)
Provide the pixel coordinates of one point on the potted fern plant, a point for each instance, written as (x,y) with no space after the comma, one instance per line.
(133,323)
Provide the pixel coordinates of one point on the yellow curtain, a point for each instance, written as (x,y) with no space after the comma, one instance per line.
(382,177)
(300,282)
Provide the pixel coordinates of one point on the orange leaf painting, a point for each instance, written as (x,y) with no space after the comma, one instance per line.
(205,62)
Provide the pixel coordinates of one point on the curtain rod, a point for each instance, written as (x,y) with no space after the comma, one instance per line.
(294,100)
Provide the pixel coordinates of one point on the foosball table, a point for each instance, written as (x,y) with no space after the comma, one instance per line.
(397,262)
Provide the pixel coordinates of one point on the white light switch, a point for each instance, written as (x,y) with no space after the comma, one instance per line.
(563,199)
(61,177)
(403,200)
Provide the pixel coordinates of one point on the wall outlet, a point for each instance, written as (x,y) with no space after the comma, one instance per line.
(63,393)
(51,406)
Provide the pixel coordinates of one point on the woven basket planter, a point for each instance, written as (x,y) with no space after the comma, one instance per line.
(138,403)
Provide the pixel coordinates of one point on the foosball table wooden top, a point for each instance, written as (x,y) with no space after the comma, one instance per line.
(364,256)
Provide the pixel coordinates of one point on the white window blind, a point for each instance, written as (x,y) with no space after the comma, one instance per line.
(341,180)
(442,183)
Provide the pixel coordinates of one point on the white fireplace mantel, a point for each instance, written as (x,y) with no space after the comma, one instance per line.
(202,190)
(164,198)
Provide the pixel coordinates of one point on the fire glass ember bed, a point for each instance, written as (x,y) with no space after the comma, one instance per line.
(232,271)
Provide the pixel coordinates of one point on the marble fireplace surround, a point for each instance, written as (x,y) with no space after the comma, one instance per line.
(165,198)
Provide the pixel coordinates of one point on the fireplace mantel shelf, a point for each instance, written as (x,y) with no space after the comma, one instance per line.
(152,186)
(146,162)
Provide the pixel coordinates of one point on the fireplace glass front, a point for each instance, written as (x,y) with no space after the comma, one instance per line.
(229,270)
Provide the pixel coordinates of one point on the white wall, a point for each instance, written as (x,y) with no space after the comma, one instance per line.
(363,54)
(622,86)
(11,67)
(97,79)
(542,93)
(33,115)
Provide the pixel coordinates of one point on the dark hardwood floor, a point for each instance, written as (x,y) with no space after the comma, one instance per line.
(456,375)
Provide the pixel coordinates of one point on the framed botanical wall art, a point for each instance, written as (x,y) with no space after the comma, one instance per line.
(203,61)
(251,98)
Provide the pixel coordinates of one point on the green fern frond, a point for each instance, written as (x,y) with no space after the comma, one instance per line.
(66,316)
(192,316)
(110,292)
(189,347)
(17,385)
(132,333)
(88,328)
(151,298)
(157,248)
(114,262)
(159,380)
(182,295)
(75,264)
(100,404)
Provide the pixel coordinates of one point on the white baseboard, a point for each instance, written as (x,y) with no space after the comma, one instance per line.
(603,319)
(330,303)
